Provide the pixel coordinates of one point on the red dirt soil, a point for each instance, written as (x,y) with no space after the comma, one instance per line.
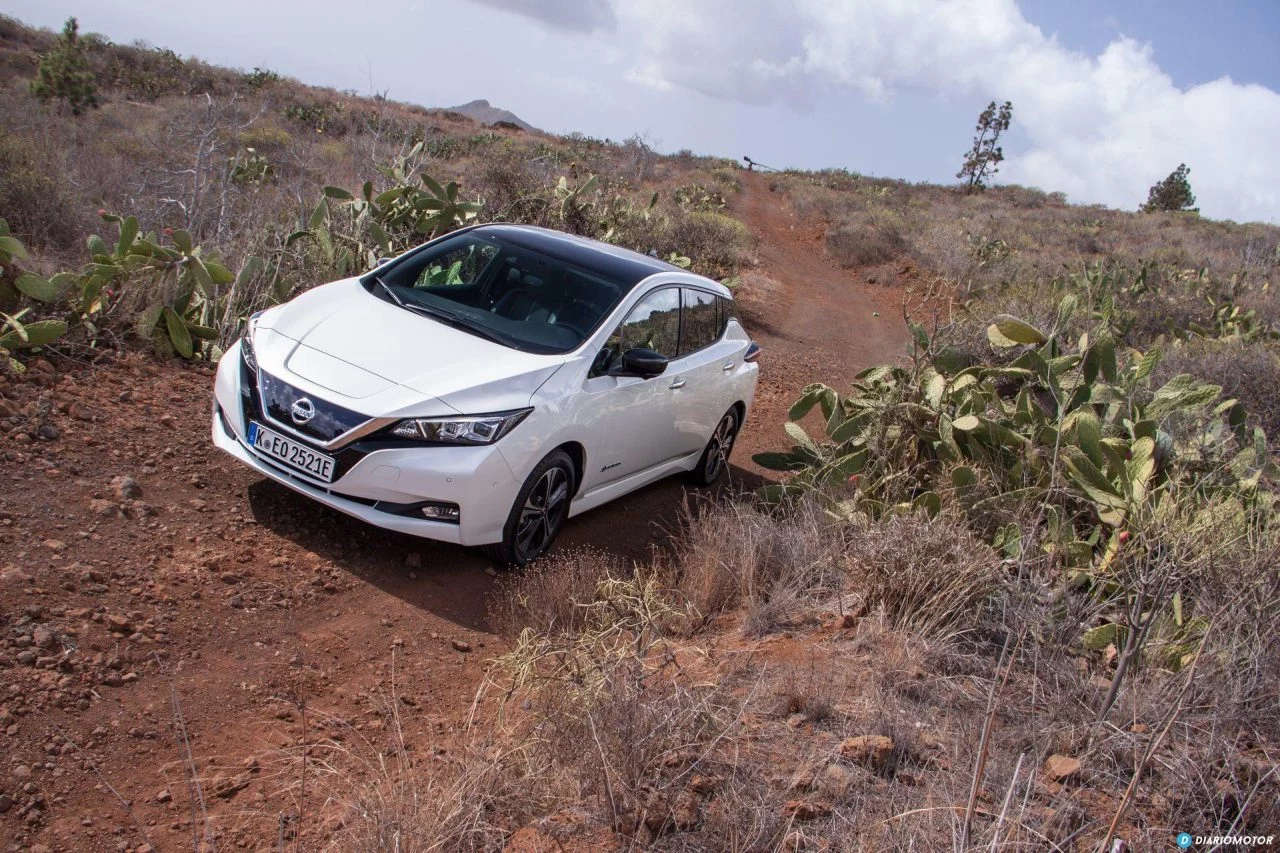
(192,624)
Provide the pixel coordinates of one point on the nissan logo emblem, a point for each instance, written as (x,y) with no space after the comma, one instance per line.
(302,411)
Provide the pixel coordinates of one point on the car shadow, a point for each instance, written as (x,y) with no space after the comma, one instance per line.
(450,581)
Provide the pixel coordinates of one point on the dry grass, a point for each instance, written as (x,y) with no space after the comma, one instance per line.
(773,566)
(550,595)
(378,790)
(34,201)
(926,576)
(621,724)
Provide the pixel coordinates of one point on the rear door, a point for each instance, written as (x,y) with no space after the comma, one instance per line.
(704,363)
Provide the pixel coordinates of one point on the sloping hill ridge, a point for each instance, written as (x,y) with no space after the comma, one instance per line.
(487,114)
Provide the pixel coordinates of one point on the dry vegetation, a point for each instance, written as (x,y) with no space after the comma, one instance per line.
(791,677)
(629,714)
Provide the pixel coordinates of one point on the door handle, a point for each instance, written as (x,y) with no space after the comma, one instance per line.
(727,366)
(678,384)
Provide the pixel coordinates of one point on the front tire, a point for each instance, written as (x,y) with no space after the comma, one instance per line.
(539,511)
(715,456)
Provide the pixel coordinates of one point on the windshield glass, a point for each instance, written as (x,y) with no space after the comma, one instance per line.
(497,290)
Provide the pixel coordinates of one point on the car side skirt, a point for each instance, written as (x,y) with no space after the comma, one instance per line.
(616,489)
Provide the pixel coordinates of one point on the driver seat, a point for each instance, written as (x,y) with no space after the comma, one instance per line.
(520,302)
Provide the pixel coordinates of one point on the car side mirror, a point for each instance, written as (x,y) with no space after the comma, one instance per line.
(642,362)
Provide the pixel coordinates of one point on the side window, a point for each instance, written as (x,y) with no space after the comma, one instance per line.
(462,266)
(653,324)
(701,327)
(727,311)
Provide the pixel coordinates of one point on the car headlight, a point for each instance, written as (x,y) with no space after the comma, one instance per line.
(464,429)
(247,354)
(246,343)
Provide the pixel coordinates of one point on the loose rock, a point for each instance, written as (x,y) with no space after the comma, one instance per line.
(805,810)
(1061,768)
(126,488)
(869,750)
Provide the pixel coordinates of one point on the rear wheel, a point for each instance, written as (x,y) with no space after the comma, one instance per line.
(715,456)
(539,512)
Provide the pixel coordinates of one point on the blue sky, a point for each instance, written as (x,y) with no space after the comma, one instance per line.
(1194,40)
(1109,97)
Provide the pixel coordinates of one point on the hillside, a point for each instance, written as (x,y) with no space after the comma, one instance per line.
(995,566)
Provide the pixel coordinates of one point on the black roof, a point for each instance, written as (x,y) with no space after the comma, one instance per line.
(622,265)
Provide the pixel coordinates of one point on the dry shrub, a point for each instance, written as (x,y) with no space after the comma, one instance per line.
(810,690)
(866,244)
(718,244)
(265,139)
(614,706)
(32,199)
(635,746)
(549,595)
(776,564)
(515,187)
(758,297)
(377,795)
(927,575)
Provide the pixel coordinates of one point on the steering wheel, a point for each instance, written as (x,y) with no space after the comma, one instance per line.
(575,327)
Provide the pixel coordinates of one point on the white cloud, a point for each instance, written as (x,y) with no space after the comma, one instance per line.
(1101,128)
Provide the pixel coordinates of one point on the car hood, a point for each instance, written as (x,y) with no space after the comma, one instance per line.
(349,342)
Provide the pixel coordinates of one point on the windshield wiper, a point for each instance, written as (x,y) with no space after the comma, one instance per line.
(442,316)
(391,294)
(458,323)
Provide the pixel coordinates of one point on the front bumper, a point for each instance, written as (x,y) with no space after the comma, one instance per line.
(477,479)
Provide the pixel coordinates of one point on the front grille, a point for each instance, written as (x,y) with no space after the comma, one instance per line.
(329,422)
(251,410)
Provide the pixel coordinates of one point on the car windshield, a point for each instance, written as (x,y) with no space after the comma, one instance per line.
(501,291)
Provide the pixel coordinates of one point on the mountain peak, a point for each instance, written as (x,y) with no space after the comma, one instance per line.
(485,113)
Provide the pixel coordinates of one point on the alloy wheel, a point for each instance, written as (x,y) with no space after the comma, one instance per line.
(543,512)
(721,446)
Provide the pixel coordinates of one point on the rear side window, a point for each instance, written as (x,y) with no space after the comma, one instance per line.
(728,311)
(701,326)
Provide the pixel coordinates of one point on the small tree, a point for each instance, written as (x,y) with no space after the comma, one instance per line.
(983,160)
(1173,193)
(64,72)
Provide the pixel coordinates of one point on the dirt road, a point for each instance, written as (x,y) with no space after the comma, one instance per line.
(165,612)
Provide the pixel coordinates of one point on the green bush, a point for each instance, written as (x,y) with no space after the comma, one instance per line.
(147,74)
(64,73)
(265,139)
(1173,193)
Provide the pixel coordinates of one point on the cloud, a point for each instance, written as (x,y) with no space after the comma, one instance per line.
(582,16)
(1101,128)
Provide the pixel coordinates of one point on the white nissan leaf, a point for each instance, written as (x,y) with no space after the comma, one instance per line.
(490,384)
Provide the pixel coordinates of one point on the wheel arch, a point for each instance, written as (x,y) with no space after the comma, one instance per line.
(578,456)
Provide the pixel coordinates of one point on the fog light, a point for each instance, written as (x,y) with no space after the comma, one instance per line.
(441,512)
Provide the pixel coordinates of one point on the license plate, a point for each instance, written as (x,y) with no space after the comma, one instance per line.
(290,452)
